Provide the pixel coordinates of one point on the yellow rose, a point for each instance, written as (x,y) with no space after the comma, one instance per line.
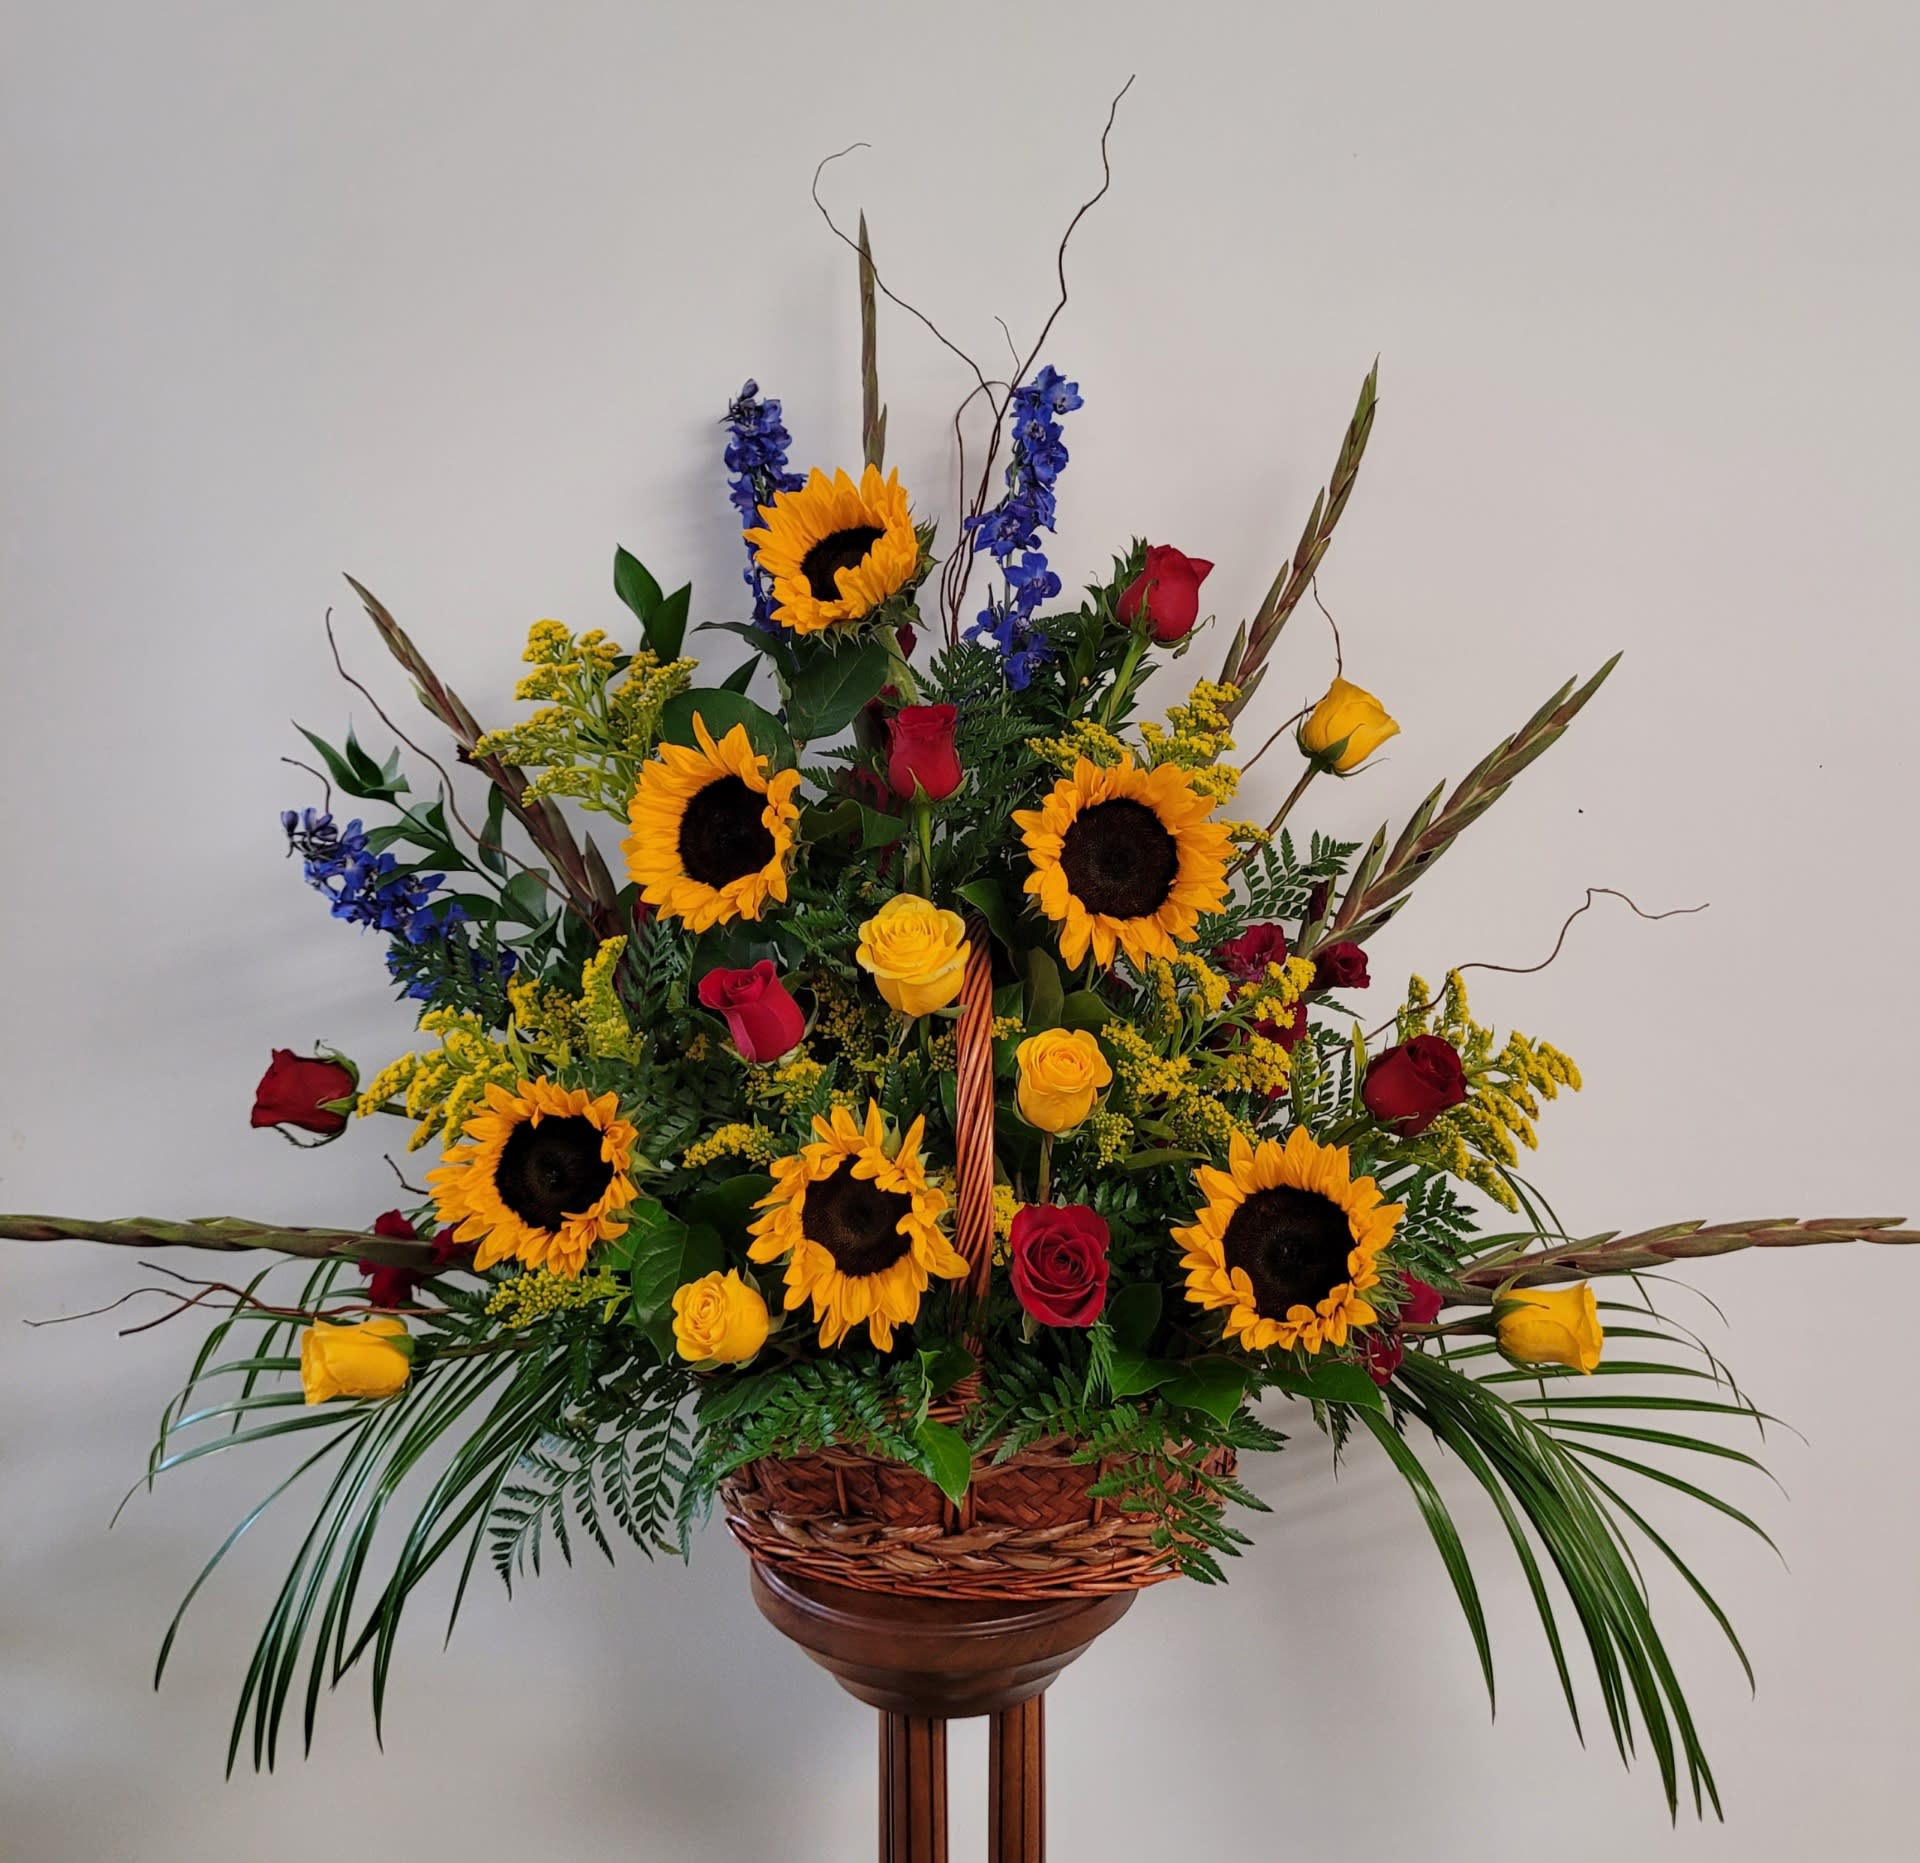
(1346,728)
(1061,1074)
(917,953)
(366,1360)
(1552,1326)
(719,1317)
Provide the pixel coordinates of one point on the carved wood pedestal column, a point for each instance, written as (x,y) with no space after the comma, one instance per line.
(925,1661)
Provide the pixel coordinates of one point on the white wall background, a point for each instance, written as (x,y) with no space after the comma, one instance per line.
(452,295)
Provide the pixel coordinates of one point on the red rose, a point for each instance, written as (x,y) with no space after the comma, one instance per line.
(764,1021)
(1059,1266)
(296,1090)
(1169,589)
(1246,958)
(1340,967)
(1409,1087)
(1286,1033)
(923,753)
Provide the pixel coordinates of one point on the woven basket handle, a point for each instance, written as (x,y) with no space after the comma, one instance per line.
(973,1121)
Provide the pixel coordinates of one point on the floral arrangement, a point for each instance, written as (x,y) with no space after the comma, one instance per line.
(689,1096)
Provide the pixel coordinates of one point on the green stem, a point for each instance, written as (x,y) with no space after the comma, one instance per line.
(923,826)
(1046,1167)
(898,671)
(1293,795)
(1123,680)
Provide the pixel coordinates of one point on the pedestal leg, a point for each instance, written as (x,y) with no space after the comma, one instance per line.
(1017,1784)
(913,1789)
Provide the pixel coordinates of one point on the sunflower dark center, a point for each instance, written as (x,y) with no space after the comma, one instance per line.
(1294,1246)
(722,837)
(856,1222)
(550,1169)
(1119,859)
(838,550)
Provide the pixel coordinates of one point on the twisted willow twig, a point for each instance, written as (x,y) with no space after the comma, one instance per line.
(1613,1253)
(220,1232)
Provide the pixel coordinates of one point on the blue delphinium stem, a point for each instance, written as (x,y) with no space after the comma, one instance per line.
(1010,532)
(756,455)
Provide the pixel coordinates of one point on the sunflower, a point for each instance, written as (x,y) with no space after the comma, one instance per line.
(1125,856)
(836,550)
(1287,1242)
(859,1225)
(711,829)
(541,1177)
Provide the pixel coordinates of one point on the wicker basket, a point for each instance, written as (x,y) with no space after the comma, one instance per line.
(1028,1527)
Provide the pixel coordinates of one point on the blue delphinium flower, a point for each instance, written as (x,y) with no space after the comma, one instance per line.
(369,889)
(757,457)
(1010,531)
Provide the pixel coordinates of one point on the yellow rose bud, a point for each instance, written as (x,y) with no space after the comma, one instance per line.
(916,952)
(354,1361)
(1552,1326)
(1346,728)
(1061,1074)
(719,1318)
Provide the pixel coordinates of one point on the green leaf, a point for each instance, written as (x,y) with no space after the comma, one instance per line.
(650,1252)
(720,710)
(829,686)
(1133,1313)
(990,902)
(356,773)
(1215,1385)
(1155,1156)
(1134,1373)
(949,1460)
(1084,1010)
(525,898)
(727,1206)
(739,679)
(847,817)
(1045,997)
(663,618)
(1330,1384)
(491,853)
(946,1367)
(1446,1536)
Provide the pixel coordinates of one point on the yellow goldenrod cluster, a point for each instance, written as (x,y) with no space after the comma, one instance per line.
(1255,1065)
(1196,736)
(1505,1086)
(539,1293)
(596,721)
(1278,993)
(1006,1206)
(590,1026)
(790,1086)
(1112,1136)
(857,1025)
(1186,1097)
(1085,737)
(442,1089)
(754,1143)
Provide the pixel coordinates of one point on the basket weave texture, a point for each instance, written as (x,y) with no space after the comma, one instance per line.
(1028,1527)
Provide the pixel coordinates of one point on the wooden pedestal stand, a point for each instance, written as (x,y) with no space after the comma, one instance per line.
(923,1661)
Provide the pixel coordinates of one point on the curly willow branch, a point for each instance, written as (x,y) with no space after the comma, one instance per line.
(230,1233)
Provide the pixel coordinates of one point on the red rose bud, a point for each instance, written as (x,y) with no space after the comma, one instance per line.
(1169,590)
(1286,1033)
(1318,901)
(1245,959)
(923,754)
(1383,1353)
(1409,1087)
(907,639)
(1422,1304)
(301,1091)
(389,1286)
(1059,1269)
(1340,967)
(764,1021)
